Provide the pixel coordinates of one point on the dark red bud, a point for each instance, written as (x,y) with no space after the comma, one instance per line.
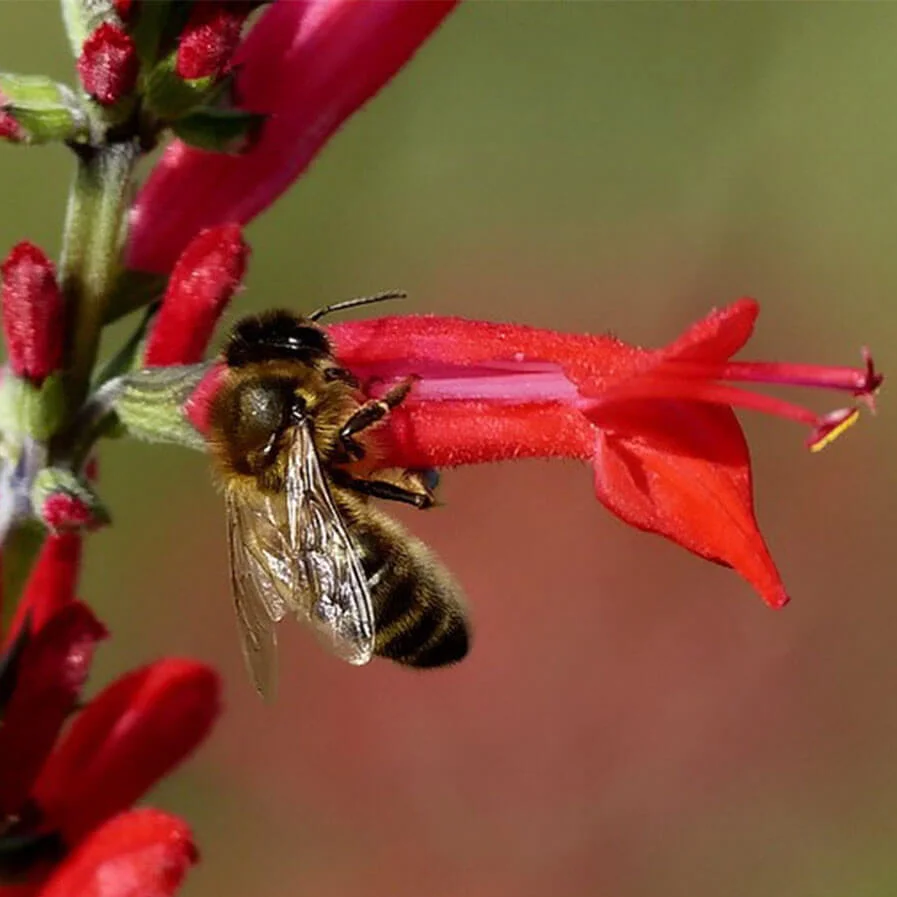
(209,39)
(108,64)
(204,279)
(32,312)
(62,511)
(124,8)
(10,129)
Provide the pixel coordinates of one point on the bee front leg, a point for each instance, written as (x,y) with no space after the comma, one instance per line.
(420,496)
(371,412)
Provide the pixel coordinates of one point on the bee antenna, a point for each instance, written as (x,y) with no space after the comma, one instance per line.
(353,303)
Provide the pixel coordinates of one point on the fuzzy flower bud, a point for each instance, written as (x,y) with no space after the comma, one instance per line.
(108,64)
(10,129)
(208,41)
(204,279)
(32,313)
(65,502)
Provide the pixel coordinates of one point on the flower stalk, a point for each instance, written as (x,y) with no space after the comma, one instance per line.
(92,234)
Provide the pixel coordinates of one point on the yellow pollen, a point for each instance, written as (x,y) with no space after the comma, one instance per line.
(831,435)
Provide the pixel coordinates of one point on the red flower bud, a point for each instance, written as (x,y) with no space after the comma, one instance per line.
(124,8)
(32,312)
(209,39)
(108,64)
(10,129)
(204,279)
(62,511)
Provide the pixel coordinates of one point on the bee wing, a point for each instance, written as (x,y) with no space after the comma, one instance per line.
(331,589)
(262,577)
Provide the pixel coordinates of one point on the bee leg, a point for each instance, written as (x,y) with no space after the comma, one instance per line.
(370,412)
(337,373)
(386,490)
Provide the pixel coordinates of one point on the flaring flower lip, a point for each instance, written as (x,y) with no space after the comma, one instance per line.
(308,66)
(656,425)
(142,853)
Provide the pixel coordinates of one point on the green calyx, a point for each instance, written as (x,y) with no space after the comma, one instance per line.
(57,487)
(150,404)
(29,410)
(44,110)
(169,97)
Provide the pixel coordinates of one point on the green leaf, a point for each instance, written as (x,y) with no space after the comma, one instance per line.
(220,130)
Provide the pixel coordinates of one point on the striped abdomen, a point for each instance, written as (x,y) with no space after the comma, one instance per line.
(419,612)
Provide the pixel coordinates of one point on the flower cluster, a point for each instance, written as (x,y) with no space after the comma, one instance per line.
(66,820)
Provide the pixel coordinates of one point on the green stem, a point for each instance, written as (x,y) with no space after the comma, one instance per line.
(97,206)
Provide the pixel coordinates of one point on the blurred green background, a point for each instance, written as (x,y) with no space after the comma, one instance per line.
(633,721)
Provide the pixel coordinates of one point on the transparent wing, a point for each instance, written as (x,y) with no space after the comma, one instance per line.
(331,587)
(262,577)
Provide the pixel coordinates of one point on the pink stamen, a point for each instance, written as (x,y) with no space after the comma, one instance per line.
(861,382)
(703,391)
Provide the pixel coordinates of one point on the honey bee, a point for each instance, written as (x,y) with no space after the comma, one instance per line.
(289,435)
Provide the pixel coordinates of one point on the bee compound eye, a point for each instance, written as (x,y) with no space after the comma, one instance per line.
(262,409)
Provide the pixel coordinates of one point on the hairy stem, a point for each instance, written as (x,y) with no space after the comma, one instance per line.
(90,258)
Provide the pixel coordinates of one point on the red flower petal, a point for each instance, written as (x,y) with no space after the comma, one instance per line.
(718,336)
(52,582)
(127,738)
(204,279)
(33,323)
(51,673)
(682,470)
(308,65)
(144,853)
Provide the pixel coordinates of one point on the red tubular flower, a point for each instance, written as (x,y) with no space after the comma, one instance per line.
(144,853)
(657,426)
(54,667)
(51,585)
(308,65)
(204,279)
(32,313)
(211,35)
(108,65)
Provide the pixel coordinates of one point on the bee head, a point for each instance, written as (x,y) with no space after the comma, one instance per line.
(275,335)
